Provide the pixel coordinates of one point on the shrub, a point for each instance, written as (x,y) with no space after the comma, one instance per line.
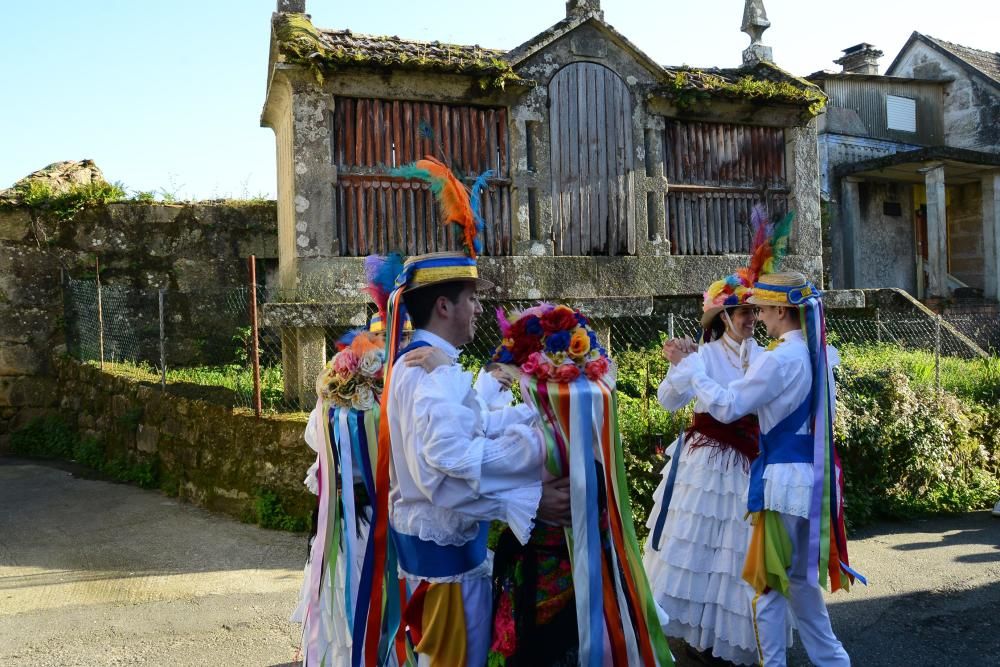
(46,437)
(270,513)
(906,449)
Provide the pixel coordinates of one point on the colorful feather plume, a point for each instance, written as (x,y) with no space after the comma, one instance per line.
(477,206)
(380,274)
(769,246)
(452,196)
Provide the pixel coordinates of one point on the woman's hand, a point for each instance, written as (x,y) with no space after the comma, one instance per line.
(427,357)
(675,349)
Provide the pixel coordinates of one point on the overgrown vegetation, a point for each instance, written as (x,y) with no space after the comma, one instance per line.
(300,43)
(692,87)
(39,196)
(52,438)
(268,512)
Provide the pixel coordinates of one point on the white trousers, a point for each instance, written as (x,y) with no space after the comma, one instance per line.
(477,598)
(807,607)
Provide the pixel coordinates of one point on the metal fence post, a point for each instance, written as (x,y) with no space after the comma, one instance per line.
(670,326)
(878,325)
(937,353)
(163,343)
(100,312)
(254,349)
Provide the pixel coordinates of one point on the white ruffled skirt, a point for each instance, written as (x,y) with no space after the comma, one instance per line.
(326,638)
(696,575)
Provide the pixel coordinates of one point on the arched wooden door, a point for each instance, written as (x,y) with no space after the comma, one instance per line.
(590,120)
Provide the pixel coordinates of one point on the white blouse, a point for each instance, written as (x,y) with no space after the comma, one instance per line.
(724,360)
(456,461)
(774,386)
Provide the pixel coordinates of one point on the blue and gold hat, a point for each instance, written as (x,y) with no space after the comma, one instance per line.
(782,289)
(440,267)
(377,323)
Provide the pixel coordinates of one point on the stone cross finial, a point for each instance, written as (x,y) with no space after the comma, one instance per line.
(576,8)
(754,24)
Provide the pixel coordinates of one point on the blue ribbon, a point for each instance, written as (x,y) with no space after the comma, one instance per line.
(668,492)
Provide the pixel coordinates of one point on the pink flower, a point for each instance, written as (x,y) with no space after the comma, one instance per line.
(597,368)
(567,373)
(346,363)
(544,371)
(531,364)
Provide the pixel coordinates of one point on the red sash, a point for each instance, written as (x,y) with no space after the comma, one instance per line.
(742,436)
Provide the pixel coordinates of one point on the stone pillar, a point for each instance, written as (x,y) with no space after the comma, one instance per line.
(802,158)
(937,231)
(850,212)
(311,357)
(991,235)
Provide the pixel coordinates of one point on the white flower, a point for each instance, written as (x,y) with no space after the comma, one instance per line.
(364,398)
(370,364)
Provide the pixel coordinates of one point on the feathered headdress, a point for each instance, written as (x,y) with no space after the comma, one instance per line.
(380,273)
(769,246)
(767,249)
(453,198)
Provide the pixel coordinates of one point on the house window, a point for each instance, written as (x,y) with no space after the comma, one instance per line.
(901,113)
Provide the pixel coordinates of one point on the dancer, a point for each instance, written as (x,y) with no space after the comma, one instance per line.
(796,487)
(698,534)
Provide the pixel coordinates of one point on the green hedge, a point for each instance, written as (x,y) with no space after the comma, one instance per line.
(906,449)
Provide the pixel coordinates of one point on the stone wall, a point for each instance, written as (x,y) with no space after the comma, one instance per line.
(208,454)
(192,250)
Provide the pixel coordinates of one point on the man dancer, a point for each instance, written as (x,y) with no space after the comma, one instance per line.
(452,473)
(795,490)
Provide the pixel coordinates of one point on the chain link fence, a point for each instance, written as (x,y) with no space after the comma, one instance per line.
(200,343)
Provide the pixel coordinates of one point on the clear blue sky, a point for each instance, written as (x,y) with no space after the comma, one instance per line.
(167,94)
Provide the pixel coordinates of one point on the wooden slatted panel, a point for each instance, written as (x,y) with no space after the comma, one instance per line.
(714,221)
(377,212)
(592,182)
(717,172)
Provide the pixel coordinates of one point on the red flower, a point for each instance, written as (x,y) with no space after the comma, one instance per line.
(560,318)
(523,347)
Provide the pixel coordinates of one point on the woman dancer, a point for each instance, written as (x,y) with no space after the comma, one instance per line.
(698,536)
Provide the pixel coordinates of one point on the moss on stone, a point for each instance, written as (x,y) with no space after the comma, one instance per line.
(689,87)
(300,43)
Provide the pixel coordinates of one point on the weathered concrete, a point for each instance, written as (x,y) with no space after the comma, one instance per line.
(990,188)
(937,231)
(972,105)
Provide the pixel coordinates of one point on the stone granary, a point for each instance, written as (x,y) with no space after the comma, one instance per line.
(615,176)
(911,169)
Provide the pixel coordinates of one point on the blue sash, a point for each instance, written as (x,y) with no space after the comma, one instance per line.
(431,560)
(428,559)
(782,444)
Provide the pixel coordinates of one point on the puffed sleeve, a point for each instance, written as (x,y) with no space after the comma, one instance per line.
(766,379)
(501,471)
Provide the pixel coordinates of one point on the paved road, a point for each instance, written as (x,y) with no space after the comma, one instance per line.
(95,573)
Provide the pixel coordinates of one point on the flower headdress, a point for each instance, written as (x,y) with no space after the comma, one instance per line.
(768,248)
(353,377)
(550,342)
